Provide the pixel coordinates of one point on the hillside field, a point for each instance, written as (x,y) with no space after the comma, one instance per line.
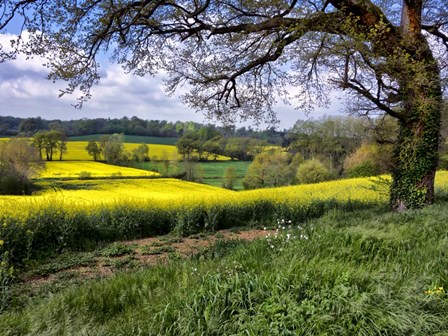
(76,150)
(211,172)
(88,169)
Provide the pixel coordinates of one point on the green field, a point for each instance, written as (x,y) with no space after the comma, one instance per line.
(130,139)
(211,173)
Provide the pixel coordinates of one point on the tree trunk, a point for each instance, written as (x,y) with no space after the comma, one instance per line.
(416,152)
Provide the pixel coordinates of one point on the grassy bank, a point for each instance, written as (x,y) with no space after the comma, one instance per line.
(347,273)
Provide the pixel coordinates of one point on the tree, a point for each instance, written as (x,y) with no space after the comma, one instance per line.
(188,144)
(368,160)
(113,150)
(62,146)
(19,162)
(38,142)
(229,178)
(269,169)
(94,149)
(212,147)
(31,125)
(390,58)
(51,142)
(312,171)
(141,153)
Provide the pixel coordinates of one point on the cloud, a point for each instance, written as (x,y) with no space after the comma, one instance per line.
(25,92)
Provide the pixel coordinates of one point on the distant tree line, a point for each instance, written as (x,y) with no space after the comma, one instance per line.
(12,126)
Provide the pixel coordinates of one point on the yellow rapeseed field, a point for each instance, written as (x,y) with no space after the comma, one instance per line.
(76,150)
(75,169)
(172,193)
(69,210)
(88,194)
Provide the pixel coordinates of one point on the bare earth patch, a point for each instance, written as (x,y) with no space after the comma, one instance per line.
(141,253)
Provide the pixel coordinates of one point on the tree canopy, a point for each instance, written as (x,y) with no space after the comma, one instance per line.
(239,57)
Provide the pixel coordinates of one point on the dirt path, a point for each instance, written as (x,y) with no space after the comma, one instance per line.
(126,255)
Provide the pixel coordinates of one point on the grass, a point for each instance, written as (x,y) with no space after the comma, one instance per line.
(137,139)
(347,273)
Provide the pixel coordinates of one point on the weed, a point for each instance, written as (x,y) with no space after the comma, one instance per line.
(116,250)
(158,250)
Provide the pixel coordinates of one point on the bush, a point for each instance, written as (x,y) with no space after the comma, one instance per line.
(364,169)
(85,175)
(19,162)
(369,160)
(312,171)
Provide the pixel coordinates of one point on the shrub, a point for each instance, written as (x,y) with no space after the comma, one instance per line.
(364,169)
(312,171)
(19,162)
(85,175)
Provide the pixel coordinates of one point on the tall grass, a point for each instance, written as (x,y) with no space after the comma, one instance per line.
(358,273)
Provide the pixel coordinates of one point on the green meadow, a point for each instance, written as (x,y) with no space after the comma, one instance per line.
(364,272)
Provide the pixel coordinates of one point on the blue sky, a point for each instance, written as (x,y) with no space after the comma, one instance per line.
(25,92)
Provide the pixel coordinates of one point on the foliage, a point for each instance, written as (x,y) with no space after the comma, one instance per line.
(240,58)
(358,273)
(332,138)
(19,162)
(113,149)
(116,250)
(369,160)
(50,142)
(94,149)
(141,153)
(270,169)
(188,144)
(229,178)
(312,171)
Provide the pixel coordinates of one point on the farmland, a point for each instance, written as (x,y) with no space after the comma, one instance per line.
(87,169)
(77,212)
(363,272)
(211,173)
(76,150)
(330,253)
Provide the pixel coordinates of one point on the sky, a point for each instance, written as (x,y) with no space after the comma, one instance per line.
(26,92)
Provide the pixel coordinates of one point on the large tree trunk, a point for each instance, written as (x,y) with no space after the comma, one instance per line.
(416,152)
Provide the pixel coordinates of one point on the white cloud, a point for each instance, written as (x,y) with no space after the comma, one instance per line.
(25,92)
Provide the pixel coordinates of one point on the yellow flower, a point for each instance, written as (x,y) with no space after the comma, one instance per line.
(1,242)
